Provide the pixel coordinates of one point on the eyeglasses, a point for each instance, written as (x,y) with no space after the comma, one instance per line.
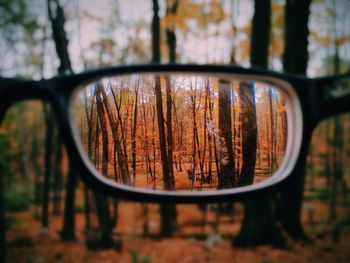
(185,133)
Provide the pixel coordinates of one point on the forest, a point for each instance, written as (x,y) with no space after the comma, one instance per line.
(175,132)
(204,112)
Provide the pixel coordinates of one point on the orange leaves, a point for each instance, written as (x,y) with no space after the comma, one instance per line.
(328,41)
(342,40)
(190,10)
(105,44)
(277,30)
(321,39)
(172,22)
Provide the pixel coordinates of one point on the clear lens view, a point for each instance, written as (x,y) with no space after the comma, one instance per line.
(182,132)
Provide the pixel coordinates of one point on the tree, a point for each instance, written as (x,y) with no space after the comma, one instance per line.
(57,19)
(295,60)
(101,201)
(259,225)
(170,31)
(168,223)
(49,120)
(227,178)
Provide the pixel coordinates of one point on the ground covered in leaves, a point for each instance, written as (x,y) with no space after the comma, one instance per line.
(194,242)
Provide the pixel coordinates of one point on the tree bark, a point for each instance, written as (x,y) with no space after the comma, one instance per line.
(102,207)
(48,167)
(2,212)
(249,133)
(170,32)
(68,229)
(295,60)
(155,33)
(57,19)
(122,162)
(227,177)
(57,184)
(59,35)
(168,212)
(259,225)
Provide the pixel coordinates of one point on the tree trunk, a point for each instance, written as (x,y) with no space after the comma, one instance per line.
(259,225)
(170,32)
(68,229)
(295,60)
(59,36)
(57,19)
(155,33)
(122,162)
(48,167)
(227,177)
(102,207)
(133,135)
(168,223)
(2,212)
(57,184)
(249,133)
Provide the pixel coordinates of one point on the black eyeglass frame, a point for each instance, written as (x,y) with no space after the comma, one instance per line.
(315,97)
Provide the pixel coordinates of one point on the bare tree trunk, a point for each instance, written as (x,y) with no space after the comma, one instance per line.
(68,229)
(169,124)
(57,19)
(133,134)
(170,33)
(227,177)
(214,135)
(259,225)
(57,184)
(295,59)
(272,135)
(249,134)
(122,162)
(102,207)
(2,211)
(48,167)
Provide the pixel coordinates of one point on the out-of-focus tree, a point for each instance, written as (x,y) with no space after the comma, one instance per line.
(57,19)
(295,59)
(259,225)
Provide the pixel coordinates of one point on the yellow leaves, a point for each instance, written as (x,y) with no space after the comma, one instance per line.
(327,41)
(190,10)
(173,22)
(106,45)
(244,50)
(86,14)
(276,46)
(342,40)
(323,40)
(277,16)
(247,29)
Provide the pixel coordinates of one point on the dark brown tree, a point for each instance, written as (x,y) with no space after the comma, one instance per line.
(122,162)
(249,133)
(167,212)
(295,60)
(227,177)
(259,225)
(103,213)
(57,179)
(170,32)
(57,19)
(49,121)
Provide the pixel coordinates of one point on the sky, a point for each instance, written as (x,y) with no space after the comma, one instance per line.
(89,21)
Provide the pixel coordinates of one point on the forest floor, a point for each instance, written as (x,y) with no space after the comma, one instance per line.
(194,242)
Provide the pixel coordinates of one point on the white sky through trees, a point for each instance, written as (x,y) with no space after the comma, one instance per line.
(123,27)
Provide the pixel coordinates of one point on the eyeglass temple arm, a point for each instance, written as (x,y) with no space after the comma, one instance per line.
(334,95)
